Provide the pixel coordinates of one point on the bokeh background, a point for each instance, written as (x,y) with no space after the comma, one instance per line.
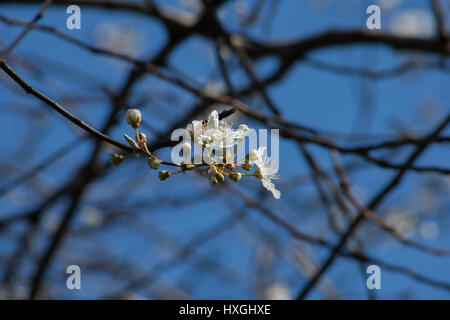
(134,236)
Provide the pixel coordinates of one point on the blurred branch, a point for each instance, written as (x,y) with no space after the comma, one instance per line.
(403,68)
(57,107)
(368,214)
(437,11)
(29,26)
(373,204)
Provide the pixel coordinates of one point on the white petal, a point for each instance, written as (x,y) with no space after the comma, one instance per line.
(271,187)
(196,124)
(241,132)
(262,152)
(270,167)
(276,193)
(195,129)
(213,120)
(268,172)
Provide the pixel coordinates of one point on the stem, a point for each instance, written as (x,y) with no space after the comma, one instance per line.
(237,148)
(137,135)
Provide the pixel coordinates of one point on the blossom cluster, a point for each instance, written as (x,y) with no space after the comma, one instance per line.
(219,144)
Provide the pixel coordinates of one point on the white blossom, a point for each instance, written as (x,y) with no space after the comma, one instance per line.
(218,133)
(267,170)
(194,131)
(215,132)
(241,132)
(253,155)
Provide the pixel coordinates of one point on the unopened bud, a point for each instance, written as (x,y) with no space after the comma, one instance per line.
(220,177)
(154,163)
(131,142)
(241,132)
(253,155)
(163,175)
(235,176)
(258,174)
(142,138)
(116,159)
(213,181)
(247,166)
(243,127)
(134,117)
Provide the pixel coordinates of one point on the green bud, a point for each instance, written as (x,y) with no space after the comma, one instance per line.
(258,174)
(133,117)
(116,159)
(247,166)
(154,163)
(163,175)
(189,166)
(213,181)
(142,138)
(220,177)
(235,176)
(131,142)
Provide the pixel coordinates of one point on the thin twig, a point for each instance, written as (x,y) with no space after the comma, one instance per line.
(37,17)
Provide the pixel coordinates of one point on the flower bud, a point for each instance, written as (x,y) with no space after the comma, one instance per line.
(247,166)
(142,138)
(154,163)
(131,142)
(253,155)
(116,159)
(243,127)
(134,117)
(258,174)
(241,132)
(189,166)
(220,177)
(213,181)
(163,175)
(235,176)
(186,147)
